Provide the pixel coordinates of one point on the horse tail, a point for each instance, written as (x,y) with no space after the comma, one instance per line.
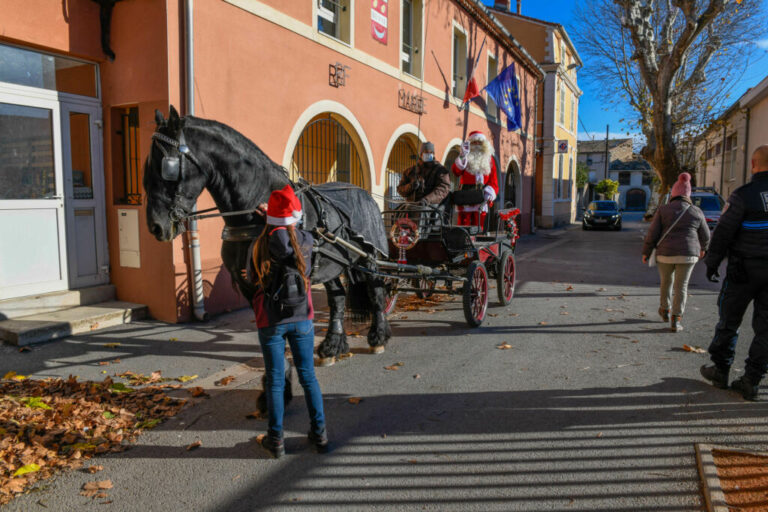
(359,304)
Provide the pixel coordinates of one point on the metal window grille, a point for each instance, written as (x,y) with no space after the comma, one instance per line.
(402,156)
(325,152)
(129,132)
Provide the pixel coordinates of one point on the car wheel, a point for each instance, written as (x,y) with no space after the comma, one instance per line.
(584,227)
(618,227)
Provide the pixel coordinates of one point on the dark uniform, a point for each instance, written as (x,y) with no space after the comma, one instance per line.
(742,236)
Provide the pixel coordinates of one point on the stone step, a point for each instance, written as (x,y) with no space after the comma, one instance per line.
(60,324)
(55,301)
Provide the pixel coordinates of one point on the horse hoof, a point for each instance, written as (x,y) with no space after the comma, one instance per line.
(378,349)
(326,361)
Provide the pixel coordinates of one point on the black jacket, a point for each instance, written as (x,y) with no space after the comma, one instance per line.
(743,227)
(426,180)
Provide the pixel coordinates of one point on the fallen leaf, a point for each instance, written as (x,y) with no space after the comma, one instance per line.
(119,387)
(173,339)
(186,378)
(108,415)
(97,485)
(94,469)
(354,400)
(28,468)
(260,438)
(24,349)
(147,424)
(504,346)
(565,313)
(569,288)
(194,446)
(103,371)
(35,402)
(543,323)
(514,314)
(697,350)
(617,336)
(112,345)
(413,461)
(599,434)
(255,415)
(635,341)
(225,381)
(392,368)
(116,361)
(103,363)
(197,391)
(417,376)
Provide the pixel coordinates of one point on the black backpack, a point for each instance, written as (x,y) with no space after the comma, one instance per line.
(286,294)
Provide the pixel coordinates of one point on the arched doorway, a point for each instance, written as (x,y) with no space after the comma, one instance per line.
(451,157)
(513,186)
(635,199)
(327,151)
(403,155)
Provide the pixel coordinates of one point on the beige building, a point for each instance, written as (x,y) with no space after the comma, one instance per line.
(724,151)
(557,105)
(592,154)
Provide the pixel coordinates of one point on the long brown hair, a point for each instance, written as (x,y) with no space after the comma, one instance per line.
(262,261)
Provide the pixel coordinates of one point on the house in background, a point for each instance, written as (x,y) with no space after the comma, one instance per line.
(592,154)
(635,177)
(558,102)
(724,151)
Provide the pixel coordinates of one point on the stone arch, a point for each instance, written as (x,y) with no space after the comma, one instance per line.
(513,183)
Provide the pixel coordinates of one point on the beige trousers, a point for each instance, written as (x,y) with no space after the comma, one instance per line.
(674,275)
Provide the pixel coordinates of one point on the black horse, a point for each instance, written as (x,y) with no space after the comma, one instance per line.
(189,154)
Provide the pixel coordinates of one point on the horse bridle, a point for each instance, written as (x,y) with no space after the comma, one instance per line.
(172,170)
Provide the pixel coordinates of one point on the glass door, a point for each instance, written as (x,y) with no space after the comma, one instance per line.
(33,256)
(84,189)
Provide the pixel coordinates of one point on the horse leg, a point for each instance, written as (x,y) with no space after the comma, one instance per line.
(335,342)
(380,330)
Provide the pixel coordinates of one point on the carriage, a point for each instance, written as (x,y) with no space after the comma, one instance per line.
(426,250)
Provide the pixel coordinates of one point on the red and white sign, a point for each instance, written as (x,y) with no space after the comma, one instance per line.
(379,20)
(562,146)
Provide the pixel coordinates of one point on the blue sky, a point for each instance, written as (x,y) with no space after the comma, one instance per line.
(592,114)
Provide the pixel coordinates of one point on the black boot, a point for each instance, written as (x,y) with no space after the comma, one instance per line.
(319,440)
(716,375)
(274,445)
(747,387)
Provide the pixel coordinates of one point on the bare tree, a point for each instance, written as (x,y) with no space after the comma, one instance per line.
(674,62)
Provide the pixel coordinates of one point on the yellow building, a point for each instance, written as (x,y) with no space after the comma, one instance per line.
(557,105)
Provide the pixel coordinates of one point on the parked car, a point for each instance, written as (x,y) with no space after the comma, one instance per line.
(710,203)
(602,214)
(708,200)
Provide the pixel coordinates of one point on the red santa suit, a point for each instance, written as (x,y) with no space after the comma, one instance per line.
(474,167)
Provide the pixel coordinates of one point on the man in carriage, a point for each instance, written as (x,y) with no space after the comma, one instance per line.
(476,169)
(427,182)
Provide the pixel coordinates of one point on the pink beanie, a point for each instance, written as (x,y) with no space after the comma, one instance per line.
(682,186)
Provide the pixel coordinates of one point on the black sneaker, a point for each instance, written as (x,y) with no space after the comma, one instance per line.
(746,387)
(319,440)
(274,445)
(715,375)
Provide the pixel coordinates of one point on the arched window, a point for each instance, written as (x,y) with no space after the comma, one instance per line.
(327,152)
(402,156)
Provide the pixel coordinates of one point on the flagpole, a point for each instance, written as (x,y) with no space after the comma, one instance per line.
(474,67)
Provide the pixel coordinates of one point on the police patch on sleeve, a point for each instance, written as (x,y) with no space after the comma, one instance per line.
(764,195)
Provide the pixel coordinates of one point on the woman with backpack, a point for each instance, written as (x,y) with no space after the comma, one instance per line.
(677,238)
(280,266)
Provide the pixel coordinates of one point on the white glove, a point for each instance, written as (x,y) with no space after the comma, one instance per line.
(489,194)
(464,148)
(461,162)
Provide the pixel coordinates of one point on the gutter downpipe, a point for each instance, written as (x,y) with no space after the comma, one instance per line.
(722,159)
(535,152)
(198,296)
(746,148)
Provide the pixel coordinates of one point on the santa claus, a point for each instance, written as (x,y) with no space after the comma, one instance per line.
(479,184)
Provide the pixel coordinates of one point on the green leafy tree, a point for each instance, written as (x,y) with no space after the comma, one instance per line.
(582,174)
(607,188)
(673,62)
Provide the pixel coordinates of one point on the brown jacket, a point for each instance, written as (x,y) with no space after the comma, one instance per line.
(429,181)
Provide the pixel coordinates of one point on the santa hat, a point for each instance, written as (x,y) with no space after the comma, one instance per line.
(477,135)
(283,208)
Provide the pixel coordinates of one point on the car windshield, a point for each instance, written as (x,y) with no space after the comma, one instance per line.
(708,203)
(602,205)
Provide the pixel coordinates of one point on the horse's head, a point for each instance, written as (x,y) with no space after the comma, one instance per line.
(173,177)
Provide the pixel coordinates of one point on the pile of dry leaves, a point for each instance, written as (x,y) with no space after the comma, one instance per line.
(52,424)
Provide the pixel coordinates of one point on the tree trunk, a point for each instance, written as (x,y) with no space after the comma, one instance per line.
(661,152)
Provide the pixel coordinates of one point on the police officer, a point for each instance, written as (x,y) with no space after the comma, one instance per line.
(742,236)
(428,181)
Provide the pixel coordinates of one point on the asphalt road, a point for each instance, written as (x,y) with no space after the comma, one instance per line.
(595,408)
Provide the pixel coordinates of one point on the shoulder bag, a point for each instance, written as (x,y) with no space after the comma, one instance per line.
(652,257)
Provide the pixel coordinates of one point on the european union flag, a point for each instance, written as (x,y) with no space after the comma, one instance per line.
(503,90)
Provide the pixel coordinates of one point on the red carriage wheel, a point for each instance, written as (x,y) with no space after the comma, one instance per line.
(476,294)
(505,277)
(390,295)
(426,287)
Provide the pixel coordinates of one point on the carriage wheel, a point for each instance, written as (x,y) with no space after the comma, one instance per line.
(390,295)
(426,287)
(476,294)
(505,277)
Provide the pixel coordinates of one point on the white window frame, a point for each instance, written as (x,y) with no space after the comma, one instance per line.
(495,113)
(454,85)
(418,55)
(321,12)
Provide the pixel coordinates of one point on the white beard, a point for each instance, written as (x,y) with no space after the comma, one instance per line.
(479,160)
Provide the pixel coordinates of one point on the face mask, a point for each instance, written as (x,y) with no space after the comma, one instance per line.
(427,157)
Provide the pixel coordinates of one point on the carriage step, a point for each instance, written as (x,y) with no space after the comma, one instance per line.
(60,324)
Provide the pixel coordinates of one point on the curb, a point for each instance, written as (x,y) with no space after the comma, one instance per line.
(713,491)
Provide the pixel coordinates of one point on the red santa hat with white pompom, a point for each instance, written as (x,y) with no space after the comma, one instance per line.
(283,208)
(476,136)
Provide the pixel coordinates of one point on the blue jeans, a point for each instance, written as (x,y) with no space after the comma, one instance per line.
(301,337)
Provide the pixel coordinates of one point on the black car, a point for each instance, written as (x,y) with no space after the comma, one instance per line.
(602,214)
